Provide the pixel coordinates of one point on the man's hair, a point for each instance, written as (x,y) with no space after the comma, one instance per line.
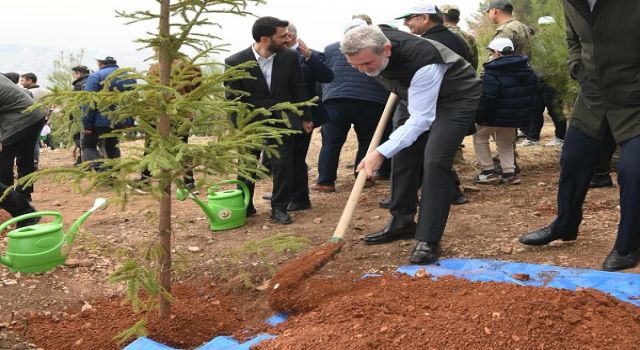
(435,17)
(30,76)
(266,26)
(293,30)
(452,15)
(13,76)
(364,17)
(363,37)
(81,69)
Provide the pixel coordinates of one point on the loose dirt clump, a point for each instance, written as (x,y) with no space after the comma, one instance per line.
(289,278)
(401,312)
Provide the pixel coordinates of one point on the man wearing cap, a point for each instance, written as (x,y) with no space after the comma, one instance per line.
(94,122)
(407,164)
(501,13)
(604,56)
(443,92)
(451,17)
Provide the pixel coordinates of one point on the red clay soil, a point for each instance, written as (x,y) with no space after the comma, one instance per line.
(401,312)
(198,314)
(289,278)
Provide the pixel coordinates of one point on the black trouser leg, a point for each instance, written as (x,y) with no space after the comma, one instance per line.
(579,156)
(438,181)
(300,170)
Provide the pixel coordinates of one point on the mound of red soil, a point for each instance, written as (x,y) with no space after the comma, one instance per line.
(199,313)
(401,312)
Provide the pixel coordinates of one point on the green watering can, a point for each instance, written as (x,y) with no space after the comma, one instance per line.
(41,247)
(225,209)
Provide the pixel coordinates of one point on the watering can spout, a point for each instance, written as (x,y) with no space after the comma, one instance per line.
(5,260)
(70,236)
(183,194)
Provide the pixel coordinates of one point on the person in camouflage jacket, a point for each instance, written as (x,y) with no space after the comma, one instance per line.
(451,17)
(501,13)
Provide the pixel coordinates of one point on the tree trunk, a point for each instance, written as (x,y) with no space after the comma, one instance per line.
(164,125)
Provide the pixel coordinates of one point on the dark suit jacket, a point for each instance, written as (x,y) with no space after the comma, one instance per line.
(287,83)
(315,72)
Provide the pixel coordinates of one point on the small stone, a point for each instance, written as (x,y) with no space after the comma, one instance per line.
(86,307)
(506,250)
(317,220)
(515,337)
(264,285)
(194,249)
(422,273)
(487,331)
(276,286)
(265,227)
(521,276)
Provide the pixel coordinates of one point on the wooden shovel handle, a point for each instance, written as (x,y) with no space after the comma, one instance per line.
(350,207)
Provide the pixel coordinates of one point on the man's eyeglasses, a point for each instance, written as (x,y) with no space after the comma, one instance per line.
(408,18)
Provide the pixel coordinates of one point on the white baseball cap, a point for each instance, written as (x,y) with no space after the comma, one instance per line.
(105,56)
(500,44)
(419,9)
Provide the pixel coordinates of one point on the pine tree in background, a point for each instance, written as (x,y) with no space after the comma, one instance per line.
(164,111)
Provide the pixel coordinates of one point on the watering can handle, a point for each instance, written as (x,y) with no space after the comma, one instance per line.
(56,220)
(245,189)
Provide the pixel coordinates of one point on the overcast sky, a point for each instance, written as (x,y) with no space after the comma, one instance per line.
(33,32)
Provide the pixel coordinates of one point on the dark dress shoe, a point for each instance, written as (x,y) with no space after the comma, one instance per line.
(600,181)
(385,203)
(296,206)
(619,261)
(267,196)
(280,216)
(543,236)
(425,253)
(459,197)
(390,234)
(251,210)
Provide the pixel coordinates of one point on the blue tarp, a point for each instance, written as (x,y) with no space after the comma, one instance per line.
(624,286)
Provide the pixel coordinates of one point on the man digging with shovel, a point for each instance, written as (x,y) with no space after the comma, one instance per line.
(442,92)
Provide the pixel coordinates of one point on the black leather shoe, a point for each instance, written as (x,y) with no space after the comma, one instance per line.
(267,196)
(600,181)
(425,253)
(280,216)
(543,236)
(619,261)
(296,206)
(385,203)
(251,210)
(459,197)
(391,233)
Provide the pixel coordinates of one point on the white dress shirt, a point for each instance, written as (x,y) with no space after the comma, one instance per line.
(266,65)
(423,97)
(592,3)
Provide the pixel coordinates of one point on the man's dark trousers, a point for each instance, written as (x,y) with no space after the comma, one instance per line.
(20,151)
(281,168)
(300,180)
(580,154)
(453,121)
(407,173)
(364,116)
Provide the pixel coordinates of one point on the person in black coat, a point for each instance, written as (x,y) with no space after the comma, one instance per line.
(314,72)
(278,78)
(508,98)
